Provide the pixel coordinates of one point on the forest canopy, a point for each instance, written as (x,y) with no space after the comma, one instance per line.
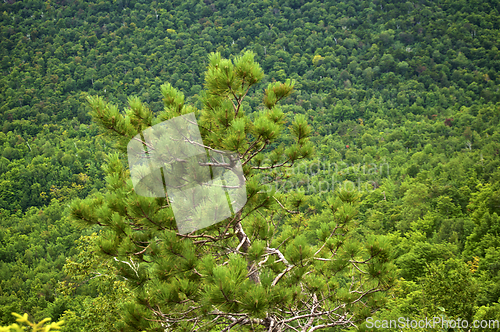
(402,99)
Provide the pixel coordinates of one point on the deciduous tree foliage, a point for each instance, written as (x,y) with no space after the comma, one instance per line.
(254,269)
(35,327)
(410,85)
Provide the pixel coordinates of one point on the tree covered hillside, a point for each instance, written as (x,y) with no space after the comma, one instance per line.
(403,103)
(353,60)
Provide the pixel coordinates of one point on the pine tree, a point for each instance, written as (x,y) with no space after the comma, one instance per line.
(255,270)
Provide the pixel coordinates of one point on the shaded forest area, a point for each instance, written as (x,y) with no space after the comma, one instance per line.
(411,86)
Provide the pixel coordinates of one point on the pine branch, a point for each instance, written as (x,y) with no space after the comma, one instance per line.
(274,166)
(289,211)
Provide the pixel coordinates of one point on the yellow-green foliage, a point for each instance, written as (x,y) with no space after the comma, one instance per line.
(33,326)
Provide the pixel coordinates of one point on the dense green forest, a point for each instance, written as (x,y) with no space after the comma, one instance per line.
(403,104)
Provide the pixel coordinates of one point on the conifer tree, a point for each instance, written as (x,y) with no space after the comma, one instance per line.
(254,271)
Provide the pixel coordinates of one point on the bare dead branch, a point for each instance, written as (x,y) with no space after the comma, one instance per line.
(284,208)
